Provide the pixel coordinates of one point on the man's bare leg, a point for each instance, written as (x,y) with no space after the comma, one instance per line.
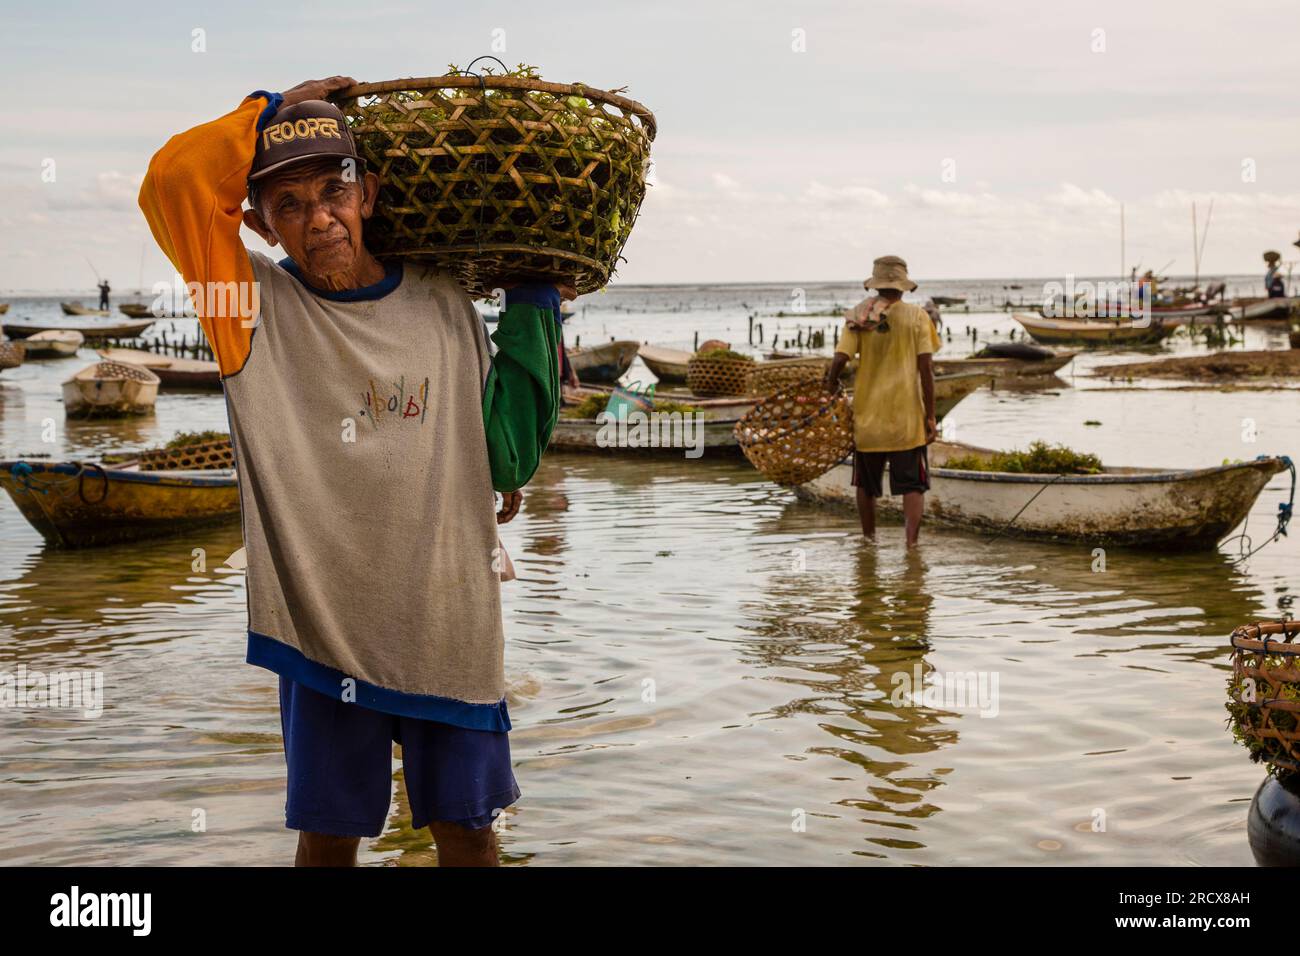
(321,849)
(867,512)
(461,846)
(913,509)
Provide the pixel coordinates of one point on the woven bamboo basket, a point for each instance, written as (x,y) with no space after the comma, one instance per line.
(721,375)
(137,373)
(502,177)
(798,434)
(771,377)
(1264,693)
(12,354)
(203,456)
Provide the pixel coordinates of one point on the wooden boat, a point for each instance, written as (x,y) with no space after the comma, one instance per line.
(949,390)
(91,330)
(1263,311)
(1094,333)
(76,308)
(713,409)
(172,372)
(715,435)
(11,355)
(942,300)
(1148,508)
(1004,368)
(110,389)
(78,505)
(669,365)
(53,344)
(603,363)
(135,310)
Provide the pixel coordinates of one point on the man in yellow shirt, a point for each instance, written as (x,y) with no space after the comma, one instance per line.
(893,394)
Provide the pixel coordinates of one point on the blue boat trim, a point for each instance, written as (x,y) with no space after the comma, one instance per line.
(290,662)
(223,478)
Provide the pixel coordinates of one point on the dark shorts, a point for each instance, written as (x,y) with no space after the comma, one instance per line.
(908,471)
(340,760)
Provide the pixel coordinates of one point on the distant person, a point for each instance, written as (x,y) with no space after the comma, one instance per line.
(104,290)
(893,394)
(1274,283)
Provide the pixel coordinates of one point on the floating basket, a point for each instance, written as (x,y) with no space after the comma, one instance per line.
(769,378)
(12,354)
(797,435)
(1266,667)
(498,177)
(721,375)
(203,456)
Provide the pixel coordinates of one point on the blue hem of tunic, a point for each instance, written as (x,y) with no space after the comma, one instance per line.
(289,662)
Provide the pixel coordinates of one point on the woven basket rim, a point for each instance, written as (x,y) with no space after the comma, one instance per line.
(455,81)
(817,410)
(1254,637)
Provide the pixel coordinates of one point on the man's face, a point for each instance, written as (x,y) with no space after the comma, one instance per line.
(316,214)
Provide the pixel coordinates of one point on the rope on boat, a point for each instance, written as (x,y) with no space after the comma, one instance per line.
(22,472)
(1005,527)
(1285,509)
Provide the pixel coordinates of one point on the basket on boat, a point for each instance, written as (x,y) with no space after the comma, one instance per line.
(496,177)
(798,434)
(768,378)
(1264,693)
(202,456)
(711,375)
(109,369)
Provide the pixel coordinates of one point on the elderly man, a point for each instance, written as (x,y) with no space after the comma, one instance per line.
(893,394)
(371,424)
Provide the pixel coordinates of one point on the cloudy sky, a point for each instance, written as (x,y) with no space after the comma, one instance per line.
(797,140)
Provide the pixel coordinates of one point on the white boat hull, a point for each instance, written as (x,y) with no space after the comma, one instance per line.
(1139,508)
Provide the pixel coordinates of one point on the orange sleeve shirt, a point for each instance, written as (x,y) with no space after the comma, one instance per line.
(192,197)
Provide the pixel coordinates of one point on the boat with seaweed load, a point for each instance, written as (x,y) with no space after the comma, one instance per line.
(1146,508)
(77,504)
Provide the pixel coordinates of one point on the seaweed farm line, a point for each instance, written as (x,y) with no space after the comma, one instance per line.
(702,668)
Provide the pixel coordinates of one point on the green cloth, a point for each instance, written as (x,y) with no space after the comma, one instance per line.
(521,399)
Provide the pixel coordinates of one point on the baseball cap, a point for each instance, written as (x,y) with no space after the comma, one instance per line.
(308,130)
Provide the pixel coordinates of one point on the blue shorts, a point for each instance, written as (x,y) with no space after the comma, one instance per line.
(340,760)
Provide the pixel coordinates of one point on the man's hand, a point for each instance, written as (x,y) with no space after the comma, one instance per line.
(931,430)
(316,89)
(510,502)
(832,381)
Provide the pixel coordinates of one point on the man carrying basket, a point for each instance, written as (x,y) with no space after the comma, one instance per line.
(893,394)
(371,423)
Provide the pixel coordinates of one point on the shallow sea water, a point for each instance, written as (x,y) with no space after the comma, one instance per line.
(701,666)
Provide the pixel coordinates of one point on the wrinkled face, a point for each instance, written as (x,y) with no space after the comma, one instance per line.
(316,213)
